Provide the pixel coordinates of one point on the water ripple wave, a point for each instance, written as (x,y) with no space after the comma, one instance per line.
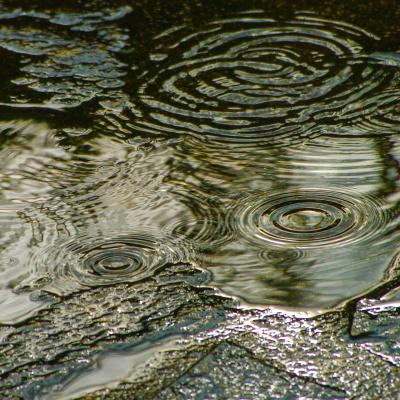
(305,248)
(85,262)
(309,218)
(254,79)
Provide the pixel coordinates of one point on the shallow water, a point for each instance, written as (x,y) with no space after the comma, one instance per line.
(250,151)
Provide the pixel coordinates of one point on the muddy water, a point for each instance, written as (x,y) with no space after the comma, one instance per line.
(247,152)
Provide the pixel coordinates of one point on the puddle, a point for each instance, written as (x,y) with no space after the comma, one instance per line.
(162,162)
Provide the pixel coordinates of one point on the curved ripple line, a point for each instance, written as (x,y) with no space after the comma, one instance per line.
(203,220)
(86,261)
(308,218)
(252,79)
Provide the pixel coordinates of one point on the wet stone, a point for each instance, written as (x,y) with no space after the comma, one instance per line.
(38,356)
(375,327)
(320,351)
(233,372)
(239,355)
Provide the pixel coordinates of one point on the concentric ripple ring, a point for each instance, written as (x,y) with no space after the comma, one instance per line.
(88,262)
(308,218)
(250,79)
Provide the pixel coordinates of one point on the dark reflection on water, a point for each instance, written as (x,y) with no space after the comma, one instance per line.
(291,125)
(253,80)
(261,149)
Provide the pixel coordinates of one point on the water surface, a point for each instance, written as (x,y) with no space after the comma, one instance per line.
(257,147)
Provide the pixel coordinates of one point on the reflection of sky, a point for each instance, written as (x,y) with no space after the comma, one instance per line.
(51,194)
(321,276)
(46,196)
(113,367)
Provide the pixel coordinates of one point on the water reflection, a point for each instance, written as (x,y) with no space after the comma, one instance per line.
(252,80)
(310,226)
(84,262)
(280,121)
(273,227)
(113,367)
(308,218)
(54,206)
(261,150)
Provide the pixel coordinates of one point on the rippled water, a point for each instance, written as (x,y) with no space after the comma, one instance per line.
(261,149)
(291,126)
(255,81)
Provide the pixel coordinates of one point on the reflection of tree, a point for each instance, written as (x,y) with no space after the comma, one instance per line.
(319,277)
(390,172)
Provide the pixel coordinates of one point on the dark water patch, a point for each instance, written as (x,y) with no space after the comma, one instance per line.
(65,58)
(252,79)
